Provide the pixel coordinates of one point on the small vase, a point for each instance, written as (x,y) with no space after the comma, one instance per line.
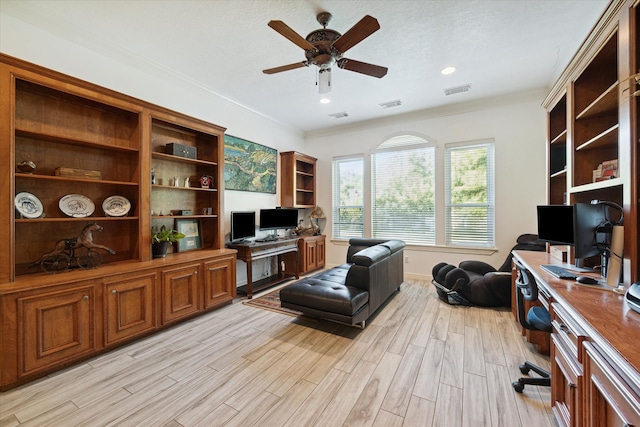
(159,249)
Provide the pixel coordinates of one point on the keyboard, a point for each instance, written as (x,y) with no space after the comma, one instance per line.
(559,272)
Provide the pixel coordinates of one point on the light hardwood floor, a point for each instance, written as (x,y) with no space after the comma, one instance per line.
(419,362)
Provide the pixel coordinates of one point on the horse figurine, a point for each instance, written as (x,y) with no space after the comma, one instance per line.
(64,252)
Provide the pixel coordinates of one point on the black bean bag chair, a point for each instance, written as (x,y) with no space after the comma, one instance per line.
(478,283)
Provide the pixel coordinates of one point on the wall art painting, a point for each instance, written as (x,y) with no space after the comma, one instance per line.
(249,166)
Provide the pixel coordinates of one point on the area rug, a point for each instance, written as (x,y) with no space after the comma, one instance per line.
(271,301)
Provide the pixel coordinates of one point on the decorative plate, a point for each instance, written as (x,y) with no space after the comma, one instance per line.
(28,205)
(76,205)
(116,206)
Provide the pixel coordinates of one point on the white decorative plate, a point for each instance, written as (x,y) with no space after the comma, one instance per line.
(116,206)
(76,205)
(28,205)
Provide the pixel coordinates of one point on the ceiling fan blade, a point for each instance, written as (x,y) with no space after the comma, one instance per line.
(287,32)
(286,67)
(363,29)
(362,67)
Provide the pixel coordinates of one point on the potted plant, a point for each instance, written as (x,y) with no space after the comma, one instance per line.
(161,238)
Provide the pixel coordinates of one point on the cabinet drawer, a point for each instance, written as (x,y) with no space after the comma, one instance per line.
(566,386)
(609,397)
(566,332)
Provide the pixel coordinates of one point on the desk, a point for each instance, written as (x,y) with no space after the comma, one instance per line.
(595,350)
(259,250)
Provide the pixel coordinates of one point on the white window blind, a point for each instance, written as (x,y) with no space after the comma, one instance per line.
(348,197)
(403,190)
(470,194)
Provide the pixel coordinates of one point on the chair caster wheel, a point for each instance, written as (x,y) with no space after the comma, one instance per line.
(517,386)
(524,369)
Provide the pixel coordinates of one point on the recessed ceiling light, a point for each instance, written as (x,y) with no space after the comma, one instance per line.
(324,100)
(448,70)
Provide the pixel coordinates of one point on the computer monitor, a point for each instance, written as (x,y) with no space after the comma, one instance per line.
(278,219)
(589,220)
(555,224)
(243,226)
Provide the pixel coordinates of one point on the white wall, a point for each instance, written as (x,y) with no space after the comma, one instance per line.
(516,123)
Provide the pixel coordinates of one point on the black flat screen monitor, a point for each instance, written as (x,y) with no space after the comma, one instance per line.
(555,224)
(587,218)
(243,226)
(278,219)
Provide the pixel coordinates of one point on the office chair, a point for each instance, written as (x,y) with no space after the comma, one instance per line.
(537,319)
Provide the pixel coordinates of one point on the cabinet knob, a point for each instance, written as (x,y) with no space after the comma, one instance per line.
(86,297)
(113,291)
(195,272)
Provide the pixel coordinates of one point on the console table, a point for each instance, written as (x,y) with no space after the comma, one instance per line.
(249,252)
(595,357)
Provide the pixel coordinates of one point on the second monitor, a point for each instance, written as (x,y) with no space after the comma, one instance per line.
(278,219)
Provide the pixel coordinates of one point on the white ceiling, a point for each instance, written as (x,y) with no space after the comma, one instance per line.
(498,46)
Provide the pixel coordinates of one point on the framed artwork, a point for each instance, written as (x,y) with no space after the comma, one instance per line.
(192,234)
(249,166)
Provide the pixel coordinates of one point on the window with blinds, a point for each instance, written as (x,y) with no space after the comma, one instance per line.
(348,197)
(403,190)
(470,194)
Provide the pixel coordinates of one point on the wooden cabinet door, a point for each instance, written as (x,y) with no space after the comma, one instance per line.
(320,252)
(56,327)
(219,281)
(310,260)
(180,292)
(129,307)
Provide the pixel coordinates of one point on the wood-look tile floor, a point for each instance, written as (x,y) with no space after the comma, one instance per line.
(419,362)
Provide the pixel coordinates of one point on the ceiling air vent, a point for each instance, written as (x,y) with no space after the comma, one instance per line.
(457,89)
(339,115)
(391,104)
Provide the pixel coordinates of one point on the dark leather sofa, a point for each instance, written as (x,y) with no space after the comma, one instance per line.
(352,292)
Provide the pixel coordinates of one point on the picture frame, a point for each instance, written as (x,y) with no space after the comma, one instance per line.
(249,166)
(192,230)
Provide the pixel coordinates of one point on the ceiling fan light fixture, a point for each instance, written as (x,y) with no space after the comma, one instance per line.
(324,80)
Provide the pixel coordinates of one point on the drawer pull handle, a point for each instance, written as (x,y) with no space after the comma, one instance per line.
(564,328)
(113,291)
(86,297)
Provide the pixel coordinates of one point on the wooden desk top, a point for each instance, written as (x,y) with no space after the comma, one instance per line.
(603,314)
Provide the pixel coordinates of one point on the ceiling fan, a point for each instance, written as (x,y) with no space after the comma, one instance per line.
(325,48)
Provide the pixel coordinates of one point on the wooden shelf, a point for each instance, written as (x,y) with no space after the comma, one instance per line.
(560,139)
(71,179)
(297,180)
(179,159)
(608,138)
(71,141)
(604,104)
